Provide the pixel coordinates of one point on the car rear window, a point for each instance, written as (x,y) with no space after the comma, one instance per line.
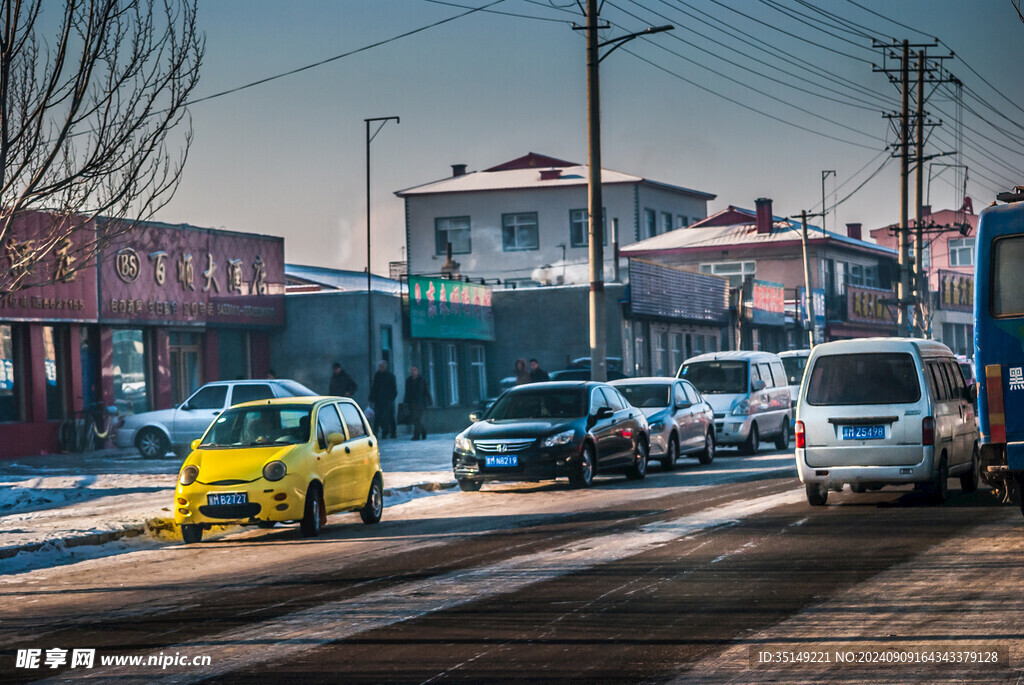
(794,369)
(647,394)
(873,378)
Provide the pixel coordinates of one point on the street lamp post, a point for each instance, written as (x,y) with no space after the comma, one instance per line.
(369,289)
(595,218)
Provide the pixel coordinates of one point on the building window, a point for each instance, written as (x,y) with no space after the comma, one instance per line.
(10,370)
(454,230)
(579,231)
(186,362)
(682,221)
(519,231)
(661,354)
(734,271)
(927,252)
(961,252)
(677,353)
(650,223)
(477,373)
(666,222)
(431,372)
(129,371)
(452,361)
(386,342)
(233,358)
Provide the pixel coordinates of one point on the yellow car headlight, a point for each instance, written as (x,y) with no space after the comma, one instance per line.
(189,474)
(275,470)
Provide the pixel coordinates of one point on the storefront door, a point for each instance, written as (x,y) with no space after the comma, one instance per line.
(186,364)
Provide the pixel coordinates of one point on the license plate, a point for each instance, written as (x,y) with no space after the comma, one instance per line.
(863,432)
(220,498)
(501,460)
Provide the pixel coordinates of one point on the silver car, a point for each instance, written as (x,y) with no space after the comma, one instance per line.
(155,433)
(681,421)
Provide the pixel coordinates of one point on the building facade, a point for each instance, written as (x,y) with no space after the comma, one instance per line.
(525,221)
(169,308)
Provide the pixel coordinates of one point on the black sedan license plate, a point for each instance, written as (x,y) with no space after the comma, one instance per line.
(501,460)
(863,432)
(221,498)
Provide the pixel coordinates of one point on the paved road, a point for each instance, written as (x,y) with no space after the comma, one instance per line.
(686,576)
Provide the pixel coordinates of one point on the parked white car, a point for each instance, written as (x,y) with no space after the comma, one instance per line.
(155,433)
(680,420)
(885,411)
(749,394)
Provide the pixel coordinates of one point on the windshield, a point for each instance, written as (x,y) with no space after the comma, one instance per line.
(540,404)
(297,389)
(268,424)
(647,394)
(794,369)
(717,377)
(875,378)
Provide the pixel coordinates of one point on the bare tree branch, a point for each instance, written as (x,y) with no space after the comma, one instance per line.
(93,123)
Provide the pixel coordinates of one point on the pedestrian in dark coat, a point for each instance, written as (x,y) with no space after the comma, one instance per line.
(522,373)
(383,392)
(537,374)
(342,384)
(417,399)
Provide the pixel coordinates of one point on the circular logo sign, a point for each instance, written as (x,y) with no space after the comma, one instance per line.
(127,264)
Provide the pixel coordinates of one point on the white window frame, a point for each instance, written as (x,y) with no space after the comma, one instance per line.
(958,247)
(650,223)
(666,222)
(682,220)
(447,225)
(519,223)
(734,271)
(478,367)
(579,219)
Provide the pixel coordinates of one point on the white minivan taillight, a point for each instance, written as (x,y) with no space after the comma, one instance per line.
(801,438)
(927,431)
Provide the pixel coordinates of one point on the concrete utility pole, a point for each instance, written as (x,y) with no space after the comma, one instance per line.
(808,290)
(912,290)
(595,205)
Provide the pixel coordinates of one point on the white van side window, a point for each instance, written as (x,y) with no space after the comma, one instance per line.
(766,375)
(779,374)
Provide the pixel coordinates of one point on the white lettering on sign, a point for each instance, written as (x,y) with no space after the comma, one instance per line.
(1016,378)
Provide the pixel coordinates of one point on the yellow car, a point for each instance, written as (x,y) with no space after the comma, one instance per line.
(281,460)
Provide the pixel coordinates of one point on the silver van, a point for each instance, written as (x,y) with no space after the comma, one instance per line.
(885,411)
(749,394)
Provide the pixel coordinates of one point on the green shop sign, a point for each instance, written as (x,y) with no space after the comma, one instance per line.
(440,308)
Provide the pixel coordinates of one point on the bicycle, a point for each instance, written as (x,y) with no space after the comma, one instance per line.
(82,432)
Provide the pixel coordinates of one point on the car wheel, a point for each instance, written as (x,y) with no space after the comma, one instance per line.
(858,488)
(668,462)
(782,439)
(938,488)
(708,455)
(314,514)
(817,494)
(469,485)
(374,507)
(191,533)
(582,476)
(152,444)
(753,441)
(639,468)
(266,524)
(969,480)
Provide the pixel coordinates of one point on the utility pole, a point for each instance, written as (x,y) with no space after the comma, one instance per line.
(808,290)
(595,204)
(912,289)
(369,288)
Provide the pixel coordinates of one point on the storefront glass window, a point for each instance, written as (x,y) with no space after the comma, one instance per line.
(232,355)
(186,362)
(130,391)
(8,383)
(55,374)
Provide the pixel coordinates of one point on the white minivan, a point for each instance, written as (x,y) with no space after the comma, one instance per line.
(749,394)
(885,411)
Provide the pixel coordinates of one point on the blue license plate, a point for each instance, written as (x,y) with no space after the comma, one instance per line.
(501,460)
(220,498)
(863,432)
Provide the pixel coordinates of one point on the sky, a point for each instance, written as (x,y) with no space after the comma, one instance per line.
(744,99)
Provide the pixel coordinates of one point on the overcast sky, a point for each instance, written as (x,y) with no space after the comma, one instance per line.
(288,157)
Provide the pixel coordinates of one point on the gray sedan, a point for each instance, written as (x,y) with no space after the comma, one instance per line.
(681,422)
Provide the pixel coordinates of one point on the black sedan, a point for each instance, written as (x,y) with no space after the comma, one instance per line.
(541,431)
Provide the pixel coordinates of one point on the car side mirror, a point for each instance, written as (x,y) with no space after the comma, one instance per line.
(333,440)
(184,407)
(683,405)
(195,444)
(971,392)
(474,417)
(758,385)
(603,413)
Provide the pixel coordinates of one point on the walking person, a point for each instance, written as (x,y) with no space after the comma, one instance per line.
(417,399)
(537,374)
(383,392)
(522,373)
(341,384)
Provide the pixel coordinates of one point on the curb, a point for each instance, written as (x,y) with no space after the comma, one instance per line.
(157,525)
